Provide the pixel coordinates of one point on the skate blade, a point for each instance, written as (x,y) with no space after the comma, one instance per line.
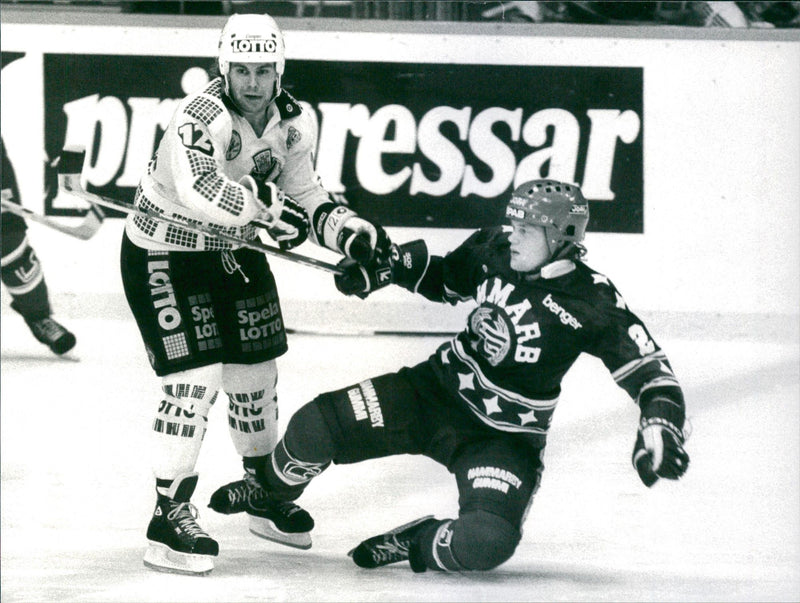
(161,558)
(264,528)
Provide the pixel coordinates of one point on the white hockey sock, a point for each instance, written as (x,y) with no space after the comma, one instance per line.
(181,421)
(252,407)
(252,423)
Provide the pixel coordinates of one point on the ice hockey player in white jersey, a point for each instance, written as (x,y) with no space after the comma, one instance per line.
(237,157)
(483,403)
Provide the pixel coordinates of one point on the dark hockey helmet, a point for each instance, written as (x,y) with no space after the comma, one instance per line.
(558,206)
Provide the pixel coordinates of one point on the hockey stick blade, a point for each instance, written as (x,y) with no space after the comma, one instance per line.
(84,231)
(71,183)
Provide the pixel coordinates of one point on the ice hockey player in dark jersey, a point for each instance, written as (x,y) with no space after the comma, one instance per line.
(22,273)
(237,156)
(482,404)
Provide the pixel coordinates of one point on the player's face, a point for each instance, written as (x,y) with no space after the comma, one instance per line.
(529,248)
(252,85)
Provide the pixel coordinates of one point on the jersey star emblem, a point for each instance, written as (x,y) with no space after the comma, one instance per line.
(528,417)
(491,405)
(600,278)
(621,302)
(466,381)
(445,356)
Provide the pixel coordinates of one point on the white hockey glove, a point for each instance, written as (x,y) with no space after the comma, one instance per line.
(658,451)
(339,228)
(282,217)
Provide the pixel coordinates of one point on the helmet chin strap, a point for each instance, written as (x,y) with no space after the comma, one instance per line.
(564,251)
(554,246)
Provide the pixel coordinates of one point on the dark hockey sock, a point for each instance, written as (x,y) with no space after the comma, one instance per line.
(477,540)
(307,436)
(284,475)
(33,305)
(432,549)
(29,299)
(304,452)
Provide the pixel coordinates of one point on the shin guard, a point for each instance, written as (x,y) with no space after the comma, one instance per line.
(182,419)
(252,407)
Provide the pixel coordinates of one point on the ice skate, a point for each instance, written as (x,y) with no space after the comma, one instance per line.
(177,544)
(52,334)
(281,522)
(391,547)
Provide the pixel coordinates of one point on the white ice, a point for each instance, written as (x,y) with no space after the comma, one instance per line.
(77,492)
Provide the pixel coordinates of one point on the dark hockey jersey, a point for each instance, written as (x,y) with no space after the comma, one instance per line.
(526,332)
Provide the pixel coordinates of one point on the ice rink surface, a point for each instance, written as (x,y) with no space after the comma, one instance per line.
(77,492)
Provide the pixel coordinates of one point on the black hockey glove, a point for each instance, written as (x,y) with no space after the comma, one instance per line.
(361,280)
(339,228)
(282,217)
(658,451)
(404,265)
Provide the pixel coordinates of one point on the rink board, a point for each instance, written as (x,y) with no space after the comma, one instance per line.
(685,140)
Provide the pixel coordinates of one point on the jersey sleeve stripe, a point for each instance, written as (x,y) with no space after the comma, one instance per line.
(631,367)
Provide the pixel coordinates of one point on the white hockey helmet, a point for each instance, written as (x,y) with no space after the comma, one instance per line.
(251,39)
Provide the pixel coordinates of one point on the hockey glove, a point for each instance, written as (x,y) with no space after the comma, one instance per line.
(658,451)
(404,266)
(361,280)
(282,217)
(339,228)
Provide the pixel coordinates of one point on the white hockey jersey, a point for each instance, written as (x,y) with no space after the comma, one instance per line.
(204,152)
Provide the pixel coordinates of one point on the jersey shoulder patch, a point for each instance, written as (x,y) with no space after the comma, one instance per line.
(300,133)
(287,105)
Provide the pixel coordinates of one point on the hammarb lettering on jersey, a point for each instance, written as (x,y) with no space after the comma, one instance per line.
(364,400)
(494,478)
(492,326)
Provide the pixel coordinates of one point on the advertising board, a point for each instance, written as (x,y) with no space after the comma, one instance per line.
(408,144)
(685,140)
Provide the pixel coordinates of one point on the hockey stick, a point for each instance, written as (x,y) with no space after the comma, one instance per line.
(71,183)
(84,231)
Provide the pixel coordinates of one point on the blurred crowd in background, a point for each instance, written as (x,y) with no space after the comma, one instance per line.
(700,14)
